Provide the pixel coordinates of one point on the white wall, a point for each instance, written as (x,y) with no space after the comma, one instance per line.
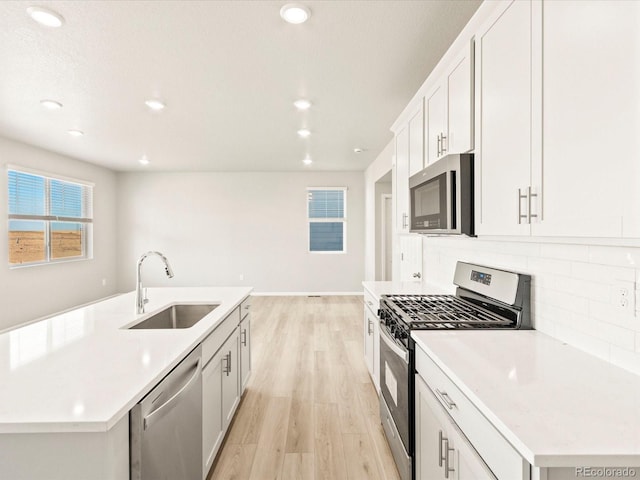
(378,169)
(573,293)
(31,292)
(214,227)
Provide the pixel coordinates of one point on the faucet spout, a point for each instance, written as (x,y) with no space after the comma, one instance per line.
(141,299)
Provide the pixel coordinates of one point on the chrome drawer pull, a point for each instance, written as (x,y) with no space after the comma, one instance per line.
(444,396)
(440,457)
(447,469)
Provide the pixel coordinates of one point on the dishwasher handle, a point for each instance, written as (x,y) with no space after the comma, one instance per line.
(163,409)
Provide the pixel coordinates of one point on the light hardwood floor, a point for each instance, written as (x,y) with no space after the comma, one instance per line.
(310,410)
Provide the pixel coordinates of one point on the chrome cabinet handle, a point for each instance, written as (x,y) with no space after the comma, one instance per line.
(520,197)
(443,149)
(531,195)
(440,457)
(369,326)
(447,469)
(444,396)
(243,339)
(229,363)
(439,143)
(417,275)
(405,220)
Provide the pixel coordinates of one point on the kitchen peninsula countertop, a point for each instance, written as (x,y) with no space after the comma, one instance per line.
(557,406)
(82,370)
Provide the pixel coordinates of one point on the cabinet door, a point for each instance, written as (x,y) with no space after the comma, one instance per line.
(503,90)
(368,340)
(591,119)
(436,122)
(402,180)
(429,432)
(212,426)
(230,375)
(245,352)
(467,463)
(416,142)
(410,258)
(460,103)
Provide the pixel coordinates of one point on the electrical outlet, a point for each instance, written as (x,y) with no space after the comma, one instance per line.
(241,277)
(624,296)
(104,282)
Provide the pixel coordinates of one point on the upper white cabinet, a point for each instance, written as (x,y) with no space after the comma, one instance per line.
(504,121)
(401,187)
(557,120)
(449,108)
(416,141)
(591,120)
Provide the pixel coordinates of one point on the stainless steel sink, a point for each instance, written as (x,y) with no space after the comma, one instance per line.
(176,316)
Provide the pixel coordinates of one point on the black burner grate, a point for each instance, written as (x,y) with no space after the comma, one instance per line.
(431,312)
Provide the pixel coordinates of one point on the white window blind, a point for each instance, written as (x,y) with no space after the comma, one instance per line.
(49,218)
(327,216)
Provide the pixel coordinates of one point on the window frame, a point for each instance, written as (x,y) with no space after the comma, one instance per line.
(342,220)
(86,222)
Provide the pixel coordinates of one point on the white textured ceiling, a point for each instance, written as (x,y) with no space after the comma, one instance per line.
(228,72)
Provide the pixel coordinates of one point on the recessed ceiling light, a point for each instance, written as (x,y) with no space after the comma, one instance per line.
(307,160)
(50,104)
(75,133)
(304,133)
(295,13)
(302,104)
(155,104)
(45,17)
(358,150)
(144,160)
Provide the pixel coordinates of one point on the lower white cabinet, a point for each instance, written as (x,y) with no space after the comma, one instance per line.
(442,451)
(372,338)
(227,365)
(245,352)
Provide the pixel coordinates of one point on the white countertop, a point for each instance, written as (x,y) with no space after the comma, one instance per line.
(557,405)
(389,288)
(80,371)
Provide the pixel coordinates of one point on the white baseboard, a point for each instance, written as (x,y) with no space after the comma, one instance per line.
(305,294)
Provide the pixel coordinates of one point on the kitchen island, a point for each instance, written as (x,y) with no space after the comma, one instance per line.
(68,382)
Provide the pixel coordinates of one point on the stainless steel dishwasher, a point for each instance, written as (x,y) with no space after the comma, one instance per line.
(165,428)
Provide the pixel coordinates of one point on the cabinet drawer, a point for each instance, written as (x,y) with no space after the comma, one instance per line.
(214,341)
(503,460)
(371,302)
(245,307)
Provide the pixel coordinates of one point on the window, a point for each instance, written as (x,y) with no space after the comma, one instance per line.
(49,218)
(327,218)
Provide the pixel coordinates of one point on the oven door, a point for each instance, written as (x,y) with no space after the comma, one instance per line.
(396,388)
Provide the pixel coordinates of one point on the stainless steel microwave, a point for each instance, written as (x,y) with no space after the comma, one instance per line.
(442,197)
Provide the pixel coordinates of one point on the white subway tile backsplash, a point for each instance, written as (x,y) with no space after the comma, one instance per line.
(572,290)
(623,257)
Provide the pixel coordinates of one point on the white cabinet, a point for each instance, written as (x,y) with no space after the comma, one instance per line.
(591,120)
(227,364)
(557,140)
(449,109)
(212,427)
(410,258)
(504,123)
(442,451)
(479,450)
(245,348)
(372,338)
(401,180)
(230,375)
(416,141)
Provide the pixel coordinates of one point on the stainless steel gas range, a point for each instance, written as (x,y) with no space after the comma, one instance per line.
(486,298)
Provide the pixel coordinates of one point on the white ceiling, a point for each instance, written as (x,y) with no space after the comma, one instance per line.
(228,72)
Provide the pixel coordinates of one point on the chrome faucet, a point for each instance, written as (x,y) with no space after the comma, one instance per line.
(141,295)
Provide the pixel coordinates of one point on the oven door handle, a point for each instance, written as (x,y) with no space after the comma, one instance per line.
(395,348)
